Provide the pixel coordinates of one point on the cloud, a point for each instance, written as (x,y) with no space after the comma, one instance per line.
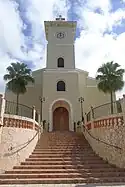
(98,43)
(39,11)
(103,5)
(11,37)
(16,41)
(22,34)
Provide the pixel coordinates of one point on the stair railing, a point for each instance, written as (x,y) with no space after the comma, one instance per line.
(102,141)
(24,145)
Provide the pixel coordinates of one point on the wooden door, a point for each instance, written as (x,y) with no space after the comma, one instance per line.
(60,119)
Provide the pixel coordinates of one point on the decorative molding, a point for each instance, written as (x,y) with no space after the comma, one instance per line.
(18,117)
(19,122)
(110,116)
(112,121)
(69,24)
(106,122)
(63,70)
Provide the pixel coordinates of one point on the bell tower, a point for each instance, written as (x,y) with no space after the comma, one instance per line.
(60,35)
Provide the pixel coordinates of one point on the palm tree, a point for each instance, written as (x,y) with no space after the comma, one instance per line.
(18,77)
(110,79)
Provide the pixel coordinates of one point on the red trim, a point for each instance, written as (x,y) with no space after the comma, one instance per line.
(89,126)
(108,122)
(17,123)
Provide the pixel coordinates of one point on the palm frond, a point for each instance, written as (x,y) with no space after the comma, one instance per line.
(109,77)
(104,86)
(7,77)
(115,66)
(16,66)
(28,78)
(19,75)
(120,72)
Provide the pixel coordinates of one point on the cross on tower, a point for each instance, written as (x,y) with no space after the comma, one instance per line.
(60,18)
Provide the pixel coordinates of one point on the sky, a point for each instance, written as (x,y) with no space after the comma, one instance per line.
(100,34)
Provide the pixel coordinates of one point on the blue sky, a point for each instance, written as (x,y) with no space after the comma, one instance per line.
(100,33)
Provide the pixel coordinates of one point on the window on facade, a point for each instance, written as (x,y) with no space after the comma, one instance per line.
(60,62)
(61,86)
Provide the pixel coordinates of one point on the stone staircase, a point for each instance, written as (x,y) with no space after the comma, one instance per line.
(63,157)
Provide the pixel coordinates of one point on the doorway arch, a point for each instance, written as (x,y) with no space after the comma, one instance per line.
(60,119)
(61,102)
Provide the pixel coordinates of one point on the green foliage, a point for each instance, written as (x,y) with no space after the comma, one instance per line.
(18,77)
(110,79)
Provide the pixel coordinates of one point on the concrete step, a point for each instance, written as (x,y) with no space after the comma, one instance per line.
(63,154)
(61,175)
(59,181)
(67,145)
(62,166)
(61,143)
(63,180)
(37,156)
(64,151)
(30,171)
(63,158)
(89,164)
(63,148)
(73,159)
(67,180)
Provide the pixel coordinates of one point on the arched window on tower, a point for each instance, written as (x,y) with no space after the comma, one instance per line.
(61,86)
(60,62)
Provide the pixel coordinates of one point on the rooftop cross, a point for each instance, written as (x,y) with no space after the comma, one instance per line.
(60,18)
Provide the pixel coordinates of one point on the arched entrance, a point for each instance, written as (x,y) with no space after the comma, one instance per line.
(60,119)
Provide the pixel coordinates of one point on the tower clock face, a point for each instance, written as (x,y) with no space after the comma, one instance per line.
(60,35)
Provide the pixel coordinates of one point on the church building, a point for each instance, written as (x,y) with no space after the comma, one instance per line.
(61,87)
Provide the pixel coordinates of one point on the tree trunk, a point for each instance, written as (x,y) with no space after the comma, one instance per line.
(17,104)
(112,103)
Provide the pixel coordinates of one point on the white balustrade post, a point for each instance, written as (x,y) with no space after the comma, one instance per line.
(39,118)
(34,117)
(123,107)
(2,110)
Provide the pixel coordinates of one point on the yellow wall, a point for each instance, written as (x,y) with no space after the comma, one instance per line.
(34,91)
(78,84)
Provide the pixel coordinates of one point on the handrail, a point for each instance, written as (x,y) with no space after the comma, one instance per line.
(118,108)
(97,139)
(27,143)
(108,103)
(20,104)
(23,110)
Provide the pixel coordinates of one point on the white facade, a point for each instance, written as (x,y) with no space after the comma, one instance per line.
(58,47)
(60,36)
